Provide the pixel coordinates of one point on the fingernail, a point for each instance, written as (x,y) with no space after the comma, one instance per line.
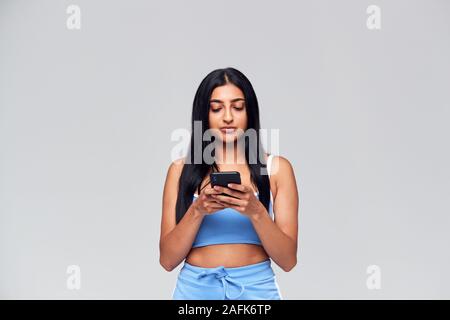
(230,185)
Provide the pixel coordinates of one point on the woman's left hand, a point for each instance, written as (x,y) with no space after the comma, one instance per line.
(245,200)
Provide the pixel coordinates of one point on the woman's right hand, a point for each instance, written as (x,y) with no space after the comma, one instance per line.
(205,204)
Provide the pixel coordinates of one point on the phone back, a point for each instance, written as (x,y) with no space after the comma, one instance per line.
(224,178)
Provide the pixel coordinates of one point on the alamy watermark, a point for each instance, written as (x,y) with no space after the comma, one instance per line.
(73,21)
(373,282)
(374,19)
(212,139)
(73,281)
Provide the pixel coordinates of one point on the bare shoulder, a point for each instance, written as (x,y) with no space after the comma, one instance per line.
(170,195)
(281,167)
(286,200)
(175,168)
(173,177)
(177,163)
(282,173)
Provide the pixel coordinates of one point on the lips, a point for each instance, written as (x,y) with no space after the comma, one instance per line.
(228,130)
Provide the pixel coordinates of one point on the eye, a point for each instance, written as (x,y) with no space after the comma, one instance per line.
(215,107)
(239,106)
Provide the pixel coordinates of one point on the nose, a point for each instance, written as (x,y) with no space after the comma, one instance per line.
(228,116)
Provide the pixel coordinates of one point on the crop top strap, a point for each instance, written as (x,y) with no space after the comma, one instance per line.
(269,164)
(269,168)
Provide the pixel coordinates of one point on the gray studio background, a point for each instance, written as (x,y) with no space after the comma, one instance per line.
(86,118)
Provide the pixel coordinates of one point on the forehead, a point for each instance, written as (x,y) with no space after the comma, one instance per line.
(227,92)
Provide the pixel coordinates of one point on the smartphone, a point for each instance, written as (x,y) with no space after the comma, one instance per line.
(224,178)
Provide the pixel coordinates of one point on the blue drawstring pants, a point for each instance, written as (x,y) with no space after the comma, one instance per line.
(251,282)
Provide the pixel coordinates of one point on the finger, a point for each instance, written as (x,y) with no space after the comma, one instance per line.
(210,198)
(238,187)
(214,200)
(228,200)
(210,191)
(215,205)
(228,191)
(236,207)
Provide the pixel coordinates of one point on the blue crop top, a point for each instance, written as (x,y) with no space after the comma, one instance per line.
(229,225)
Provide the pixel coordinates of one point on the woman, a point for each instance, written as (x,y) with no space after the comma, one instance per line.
(228,235)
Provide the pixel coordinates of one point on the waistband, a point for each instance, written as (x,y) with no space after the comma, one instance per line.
(251,270)
(239,277)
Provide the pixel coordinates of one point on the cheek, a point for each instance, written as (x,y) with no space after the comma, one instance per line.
(213,120)
(241,119)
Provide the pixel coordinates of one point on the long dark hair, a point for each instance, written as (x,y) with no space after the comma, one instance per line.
(193,173)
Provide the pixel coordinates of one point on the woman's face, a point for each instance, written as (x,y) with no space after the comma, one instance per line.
(227,112)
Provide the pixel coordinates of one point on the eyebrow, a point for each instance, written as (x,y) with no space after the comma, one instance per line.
(234,100)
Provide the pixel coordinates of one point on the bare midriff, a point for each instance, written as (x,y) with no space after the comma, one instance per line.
(228,255)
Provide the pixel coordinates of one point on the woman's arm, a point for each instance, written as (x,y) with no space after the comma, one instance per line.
(279,237)
(176,239)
